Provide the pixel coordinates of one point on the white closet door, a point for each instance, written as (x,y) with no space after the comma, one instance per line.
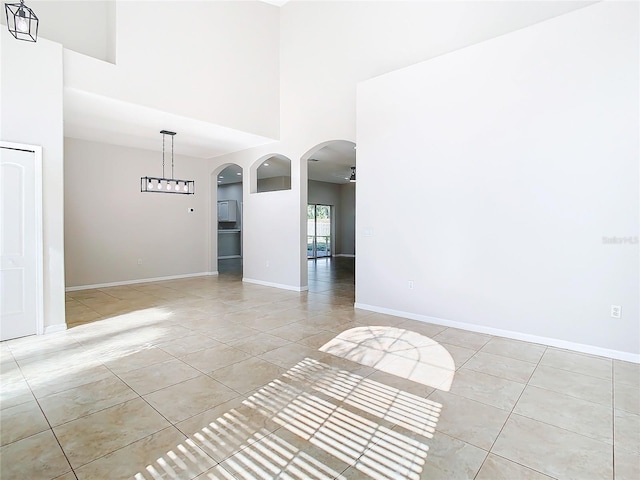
(20,230)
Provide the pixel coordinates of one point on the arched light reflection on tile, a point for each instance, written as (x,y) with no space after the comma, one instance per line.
(397,351)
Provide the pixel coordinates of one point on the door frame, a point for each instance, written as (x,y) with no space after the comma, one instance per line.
(37,156)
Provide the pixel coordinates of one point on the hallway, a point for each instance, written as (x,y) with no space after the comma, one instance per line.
(333,276)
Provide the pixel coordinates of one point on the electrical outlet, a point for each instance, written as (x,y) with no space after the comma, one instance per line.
(267,263)
(410,284)
(139,261)
(616,311)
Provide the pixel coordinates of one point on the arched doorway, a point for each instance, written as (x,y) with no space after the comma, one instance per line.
(330,222)
(227,220)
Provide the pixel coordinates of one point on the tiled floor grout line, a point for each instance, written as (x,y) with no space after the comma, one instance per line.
(113,451)
(47,420)
(96,411)
(511,413)
(171,424)
(567,395)
(575,372)
(468,359)
(522,465)
(613,420)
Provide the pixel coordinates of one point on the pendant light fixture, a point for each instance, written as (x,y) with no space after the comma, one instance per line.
(352,178)
(21,21)
(167,185)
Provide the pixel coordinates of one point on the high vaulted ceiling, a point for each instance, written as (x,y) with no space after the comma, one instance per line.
(101,119)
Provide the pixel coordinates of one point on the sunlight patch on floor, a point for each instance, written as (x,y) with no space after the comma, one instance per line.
(399,352)
(323,420)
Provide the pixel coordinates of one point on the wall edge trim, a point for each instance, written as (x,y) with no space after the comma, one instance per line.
(527,337)
(140,280)
(275,285)
(58,327)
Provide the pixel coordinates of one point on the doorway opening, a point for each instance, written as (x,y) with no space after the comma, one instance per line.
(228,220)
(331,209)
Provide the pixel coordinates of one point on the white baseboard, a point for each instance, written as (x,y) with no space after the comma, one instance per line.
(350,255)
(141,280)
(276,285)
(552,342)
(58,327)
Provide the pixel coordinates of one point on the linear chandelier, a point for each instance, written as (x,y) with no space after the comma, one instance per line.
(167,185)
(21,21)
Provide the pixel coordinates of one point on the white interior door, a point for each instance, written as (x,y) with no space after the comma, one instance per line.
(20,243)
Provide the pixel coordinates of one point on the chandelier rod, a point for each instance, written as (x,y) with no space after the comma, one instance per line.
(163,155)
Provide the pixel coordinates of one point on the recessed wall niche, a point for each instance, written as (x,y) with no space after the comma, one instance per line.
(271,173)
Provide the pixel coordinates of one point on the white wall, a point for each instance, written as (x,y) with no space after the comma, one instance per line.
(325,49)
(31,113)
(347,220)
(272,226)
(521,154)
(110,224)
(324,193)
(271,239)
(272,184)
(212,61)
(82,26)
(328,47)
(253,53)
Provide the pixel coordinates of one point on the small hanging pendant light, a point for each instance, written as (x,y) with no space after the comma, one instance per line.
(21,21)
(167,185)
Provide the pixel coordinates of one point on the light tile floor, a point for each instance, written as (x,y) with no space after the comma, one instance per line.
(210,378)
